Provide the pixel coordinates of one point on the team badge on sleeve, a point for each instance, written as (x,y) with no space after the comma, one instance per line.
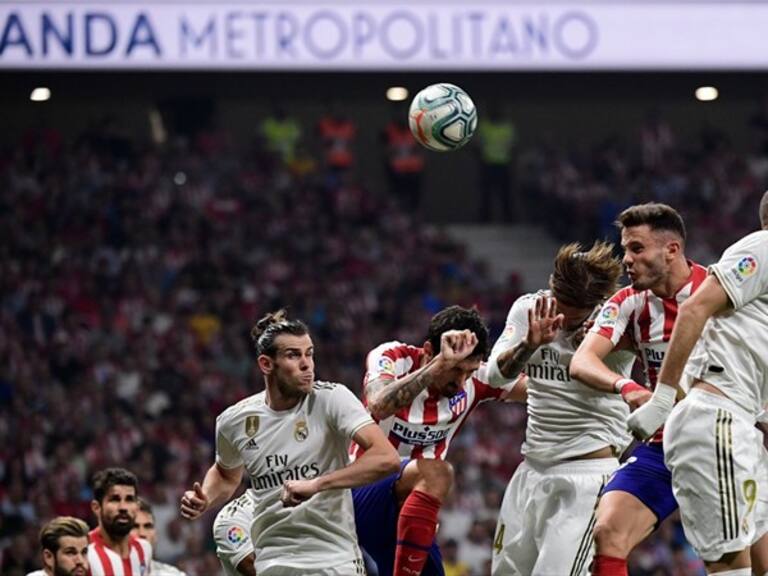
(745,268)
(608,315)
(386,366)
(251,425)
(300,431)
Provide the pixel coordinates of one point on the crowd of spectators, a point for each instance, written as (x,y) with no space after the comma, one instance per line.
(131,274)
(713,181)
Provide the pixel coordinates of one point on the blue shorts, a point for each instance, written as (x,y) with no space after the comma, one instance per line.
(376,514)
(645,476)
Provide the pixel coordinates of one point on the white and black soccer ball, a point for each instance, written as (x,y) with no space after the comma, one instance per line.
(442,117)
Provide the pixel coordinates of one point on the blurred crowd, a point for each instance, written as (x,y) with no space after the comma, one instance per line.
(715,183)
(132,273)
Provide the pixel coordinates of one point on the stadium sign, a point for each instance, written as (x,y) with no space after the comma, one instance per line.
(383,36)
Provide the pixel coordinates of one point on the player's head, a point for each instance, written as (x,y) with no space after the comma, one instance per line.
(653,238)
(583,279)
(115,501)
(456,318)
(144,527)
(764,211)
(64,542)
(285,353)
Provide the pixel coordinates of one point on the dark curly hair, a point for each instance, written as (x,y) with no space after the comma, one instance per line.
(105,479)
(458,318)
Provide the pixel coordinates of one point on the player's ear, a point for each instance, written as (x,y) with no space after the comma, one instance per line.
(674,248)
(429,352)
(95,507)
(48,559)
(266,364)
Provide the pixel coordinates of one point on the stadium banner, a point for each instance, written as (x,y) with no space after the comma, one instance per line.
(420,35)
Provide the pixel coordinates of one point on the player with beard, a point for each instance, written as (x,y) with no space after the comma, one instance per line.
(421,396)
(145,528)
(293,440)
(574,434)
(64,541)
(113,550)
(711,445)
(638,497)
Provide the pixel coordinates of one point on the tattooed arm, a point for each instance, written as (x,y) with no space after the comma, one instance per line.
(386,396)
(511,362)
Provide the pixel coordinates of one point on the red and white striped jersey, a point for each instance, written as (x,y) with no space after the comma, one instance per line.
(106,562)
(647,320)
(426,427)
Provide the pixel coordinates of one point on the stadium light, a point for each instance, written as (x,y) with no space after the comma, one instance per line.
(40,94)
(706,93)
(397,93)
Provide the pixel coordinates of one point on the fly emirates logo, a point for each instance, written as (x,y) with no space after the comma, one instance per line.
(548,367)
(280,471)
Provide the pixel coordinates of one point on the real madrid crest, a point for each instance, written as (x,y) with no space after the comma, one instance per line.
(300,431)
(251,425)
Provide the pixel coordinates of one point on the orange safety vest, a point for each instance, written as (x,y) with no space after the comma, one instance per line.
(405,156)
(337,136)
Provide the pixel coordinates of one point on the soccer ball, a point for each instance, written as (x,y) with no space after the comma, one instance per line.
(442,117)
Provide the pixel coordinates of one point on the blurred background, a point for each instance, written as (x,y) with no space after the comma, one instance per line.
(171,171)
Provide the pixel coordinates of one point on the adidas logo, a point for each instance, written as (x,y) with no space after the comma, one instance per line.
(251,444)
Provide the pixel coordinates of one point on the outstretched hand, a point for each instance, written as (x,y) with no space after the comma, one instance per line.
(544,323)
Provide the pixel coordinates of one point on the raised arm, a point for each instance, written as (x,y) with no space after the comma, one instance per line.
(707,301)
(385,396)
(588,366)
(587,363)
(527,328)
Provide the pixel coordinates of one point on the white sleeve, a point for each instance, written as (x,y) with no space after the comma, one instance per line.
(743,269)
(345,412)
(227,456)
(515,330)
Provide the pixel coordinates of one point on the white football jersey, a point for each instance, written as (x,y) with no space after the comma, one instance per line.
(163,569)
(232,533)
(306,441)
(565,417)
(732,351)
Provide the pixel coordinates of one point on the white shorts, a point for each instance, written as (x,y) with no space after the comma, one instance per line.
(354,568)
(761,512)
(232,534)
(547,516)
(713,450)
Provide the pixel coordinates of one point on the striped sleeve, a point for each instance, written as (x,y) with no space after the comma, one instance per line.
(613,320)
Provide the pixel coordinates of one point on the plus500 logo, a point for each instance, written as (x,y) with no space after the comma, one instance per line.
(425,436)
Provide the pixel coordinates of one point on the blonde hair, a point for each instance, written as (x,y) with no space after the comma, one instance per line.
(583,279)
(61,526)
